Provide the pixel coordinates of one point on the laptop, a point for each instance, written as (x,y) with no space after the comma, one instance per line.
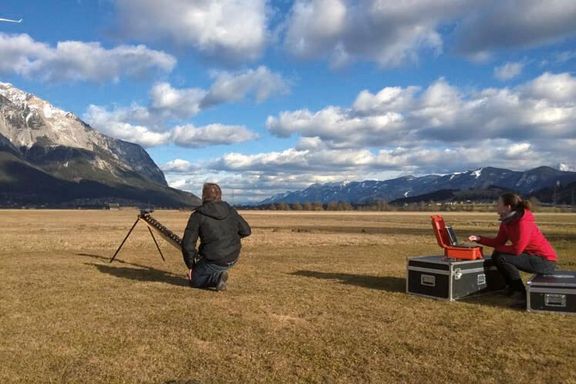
(454,239)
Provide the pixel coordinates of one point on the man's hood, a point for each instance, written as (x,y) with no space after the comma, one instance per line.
(217,210)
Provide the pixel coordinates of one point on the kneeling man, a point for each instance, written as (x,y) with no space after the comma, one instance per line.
(220,229)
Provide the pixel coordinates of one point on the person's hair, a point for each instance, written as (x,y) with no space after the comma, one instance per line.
(515,201)
(211,192)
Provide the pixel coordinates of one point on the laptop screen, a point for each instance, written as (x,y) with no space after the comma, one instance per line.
(451,235)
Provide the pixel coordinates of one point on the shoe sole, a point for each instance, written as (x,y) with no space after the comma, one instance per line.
(222,283)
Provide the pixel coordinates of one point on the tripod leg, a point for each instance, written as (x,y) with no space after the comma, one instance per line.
(157,246)
(123,241)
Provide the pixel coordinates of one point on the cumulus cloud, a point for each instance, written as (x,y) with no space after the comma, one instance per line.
(212,134)
(78,61)
(253,185)
(496,24)
(393,33)
(543,107)
(420,158)
(230,29)
(558,89)
(404,130)
(175,103)
(151,125)
(261,83)
(114,123)
(437,129)
(179,166)
(508,71)
(121,123)
(251,178)
(389,33)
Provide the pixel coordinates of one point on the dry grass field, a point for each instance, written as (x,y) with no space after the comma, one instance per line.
(315,298)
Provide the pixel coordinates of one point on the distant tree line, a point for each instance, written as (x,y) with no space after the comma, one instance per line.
(421,206)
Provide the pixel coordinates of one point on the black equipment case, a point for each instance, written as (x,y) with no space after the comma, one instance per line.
(552,293)
(450,279)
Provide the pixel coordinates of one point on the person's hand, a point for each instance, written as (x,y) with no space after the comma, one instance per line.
(189,275)
(473,238)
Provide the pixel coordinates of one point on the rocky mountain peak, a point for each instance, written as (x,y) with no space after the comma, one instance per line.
(36,136)
(29,120)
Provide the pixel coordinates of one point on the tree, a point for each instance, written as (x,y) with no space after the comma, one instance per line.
(317,206)
(332,206)
(296,207)
(282,207)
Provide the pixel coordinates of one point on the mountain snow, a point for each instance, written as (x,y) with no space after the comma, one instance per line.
(28,121)
(42,120)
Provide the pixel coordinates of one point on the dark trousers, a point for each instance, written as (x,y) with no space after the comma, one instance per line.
(511,265)
(206,274)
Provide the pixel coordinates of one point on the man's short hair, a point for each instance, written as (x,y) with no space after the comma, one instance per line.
(211,192)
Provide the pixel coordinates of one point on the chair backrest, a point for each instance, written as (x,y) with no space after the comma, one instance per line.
(439,227)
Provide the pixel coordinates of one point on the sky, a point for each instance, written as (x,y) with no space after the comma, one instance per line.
(265,97)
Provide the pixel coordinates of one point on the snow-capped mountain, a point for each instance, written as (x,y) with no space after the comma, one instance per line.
(38,137)
(524,182)
(566,167)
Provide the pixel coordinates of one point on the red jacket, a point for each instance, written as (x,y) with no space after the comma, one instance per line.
(524,237)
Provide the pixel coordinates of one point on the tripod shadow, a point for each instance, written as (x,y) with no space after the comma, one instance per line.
(384,283)
(139,273)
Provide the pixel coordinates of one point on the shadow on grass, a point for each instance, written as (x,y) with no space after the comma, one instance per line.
(384,283)
(140,273)
(491,299)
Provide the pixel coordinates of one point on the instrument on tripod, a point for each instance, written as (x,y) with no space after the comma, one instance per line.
(172,238)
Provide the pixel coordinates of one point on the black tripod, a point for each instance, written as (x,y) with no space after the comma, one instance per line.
(150,222)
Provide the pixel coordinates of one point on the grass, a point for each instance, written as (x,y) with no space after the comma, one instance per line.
(316,298)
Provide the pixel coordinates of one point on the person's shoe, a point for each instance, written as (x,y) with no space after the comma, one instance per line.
(221,286)
(518,300)
(508,291)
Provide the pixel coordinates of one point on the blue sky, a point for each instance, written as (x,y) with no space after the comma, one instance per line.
(268,96)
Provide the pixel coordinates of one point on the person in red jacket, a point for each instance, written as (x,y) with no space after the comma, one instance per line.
(519,245)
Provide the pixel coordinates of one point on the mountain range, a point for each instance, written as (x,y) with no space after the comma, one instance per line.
(51,158)
(545,183)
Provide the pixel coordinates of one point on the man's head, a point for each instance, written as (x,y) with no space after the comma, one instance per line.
(211,192)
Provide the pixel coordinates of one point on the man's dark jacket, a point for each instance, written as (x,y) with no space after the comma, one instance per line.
(220,229)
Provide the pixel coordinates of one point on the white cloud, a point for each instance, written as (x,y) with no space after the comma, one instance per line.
(253,185)
(151,125)
(175,103)
(212,134)
(179,166)
(112,123)
(389,33)
(361,162)
(542,108)
(557,89)
(78,61)
(496,24)
(121,123)
(508,71)
(231,29)
(258,176)
(315,26)
(439,129)
(394,33)
(260,82)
